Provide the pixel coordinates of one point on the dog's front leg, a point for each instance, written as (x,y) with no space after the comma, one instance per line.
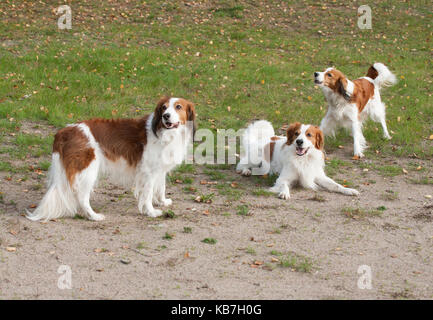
(328,124)
(144,192)
(159,190)
(283,182)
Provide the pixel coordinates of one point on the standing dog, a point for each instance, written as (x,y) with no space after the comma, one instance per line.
(132,152)
(351,102)
(298,157)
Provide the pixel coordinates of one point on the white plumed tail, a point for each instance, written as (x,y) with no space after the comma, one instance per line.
(385,77)
(59,200)
(258,133)
(255,137)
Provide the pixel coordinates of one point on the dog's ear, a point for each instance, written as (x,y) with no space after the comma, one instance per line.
(190,116)
(320,139)
(157,115)
(291,132)
(341,88)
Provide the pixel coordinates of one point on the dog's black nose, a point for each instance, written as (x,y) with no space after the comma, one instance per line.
(316,74)
(166,116)
(299,142)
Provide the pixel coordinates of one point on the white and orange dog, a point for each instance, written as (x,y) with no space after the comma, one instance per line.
(351,102)
(298,157)
(132,152)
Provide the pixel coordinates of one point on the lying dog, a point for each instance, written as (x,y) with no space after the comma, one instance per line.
(350,103)
(132,152)
(298,157)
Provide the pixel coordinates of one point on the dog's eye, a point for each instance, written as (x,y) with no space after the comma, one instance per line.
(329,75)
(308,134)
(164,107)
(296,133)
(178,107)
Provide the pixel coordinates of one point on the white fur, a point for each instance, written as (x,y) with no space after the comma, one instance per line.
(345,114)
(254,139)
(308,169)
(161,154)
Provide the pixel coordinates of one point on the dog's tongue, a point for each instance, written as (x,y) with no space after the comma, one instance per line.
(300,151)
(170,125)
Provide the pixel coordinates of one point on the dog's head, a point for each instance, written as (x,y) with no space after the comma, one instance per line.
(171,113)
(304,137)
(334,80)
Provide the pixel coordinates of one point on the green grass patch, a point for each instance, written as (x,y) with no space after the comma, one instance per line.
(297,263)
(262,193)
(361,213)
(243,210)
(209,241)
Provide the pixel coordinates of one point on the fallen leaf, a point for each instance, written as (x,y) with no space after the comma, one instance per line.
(11,249)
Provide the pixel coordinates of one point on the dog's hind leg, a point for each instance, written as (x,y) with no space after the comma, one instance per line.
(330,185)
(377,114)
(83,187)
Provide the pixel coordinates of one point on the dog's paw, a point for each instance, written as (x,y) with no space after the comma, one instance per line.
(351,192)
(246,172)
(154,213)
(97,217)
(358,156)
(167,202)
(284,195)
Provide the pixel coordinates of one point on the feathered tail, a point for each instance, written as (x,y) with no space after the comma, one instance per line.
(58,201)
(381,75)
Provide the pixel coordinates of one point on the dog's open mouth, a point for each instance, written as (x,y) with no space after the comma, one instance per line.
(170,125)
(301,151)
(317,81)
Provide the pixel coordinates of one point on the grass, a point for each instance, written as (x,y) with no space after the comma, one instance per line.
(229,192)
(209,241)
(234,57)
(187,230)
(262,193)
(361,213)
(168,236)
(242,210)
(296,262)
(423,180)
(215,175)
(169,214)
(251,251)
(389,195)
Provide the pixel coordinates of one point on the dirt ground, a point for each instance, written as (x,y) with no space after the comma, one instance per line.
(130,256)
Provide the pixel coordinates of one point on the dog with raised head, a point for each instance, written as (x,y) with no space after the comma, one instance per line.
(351,102)
(135,153)
(297,157)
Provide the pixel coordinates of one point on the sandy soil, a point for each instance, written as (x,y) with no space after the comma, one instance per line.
(127,256)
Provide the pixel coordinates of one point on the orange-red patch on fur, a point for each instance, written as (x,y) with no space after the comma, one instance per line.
(363,91)
(120,138)
(293,131)
(315,135)
(75,153)
(269,148)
